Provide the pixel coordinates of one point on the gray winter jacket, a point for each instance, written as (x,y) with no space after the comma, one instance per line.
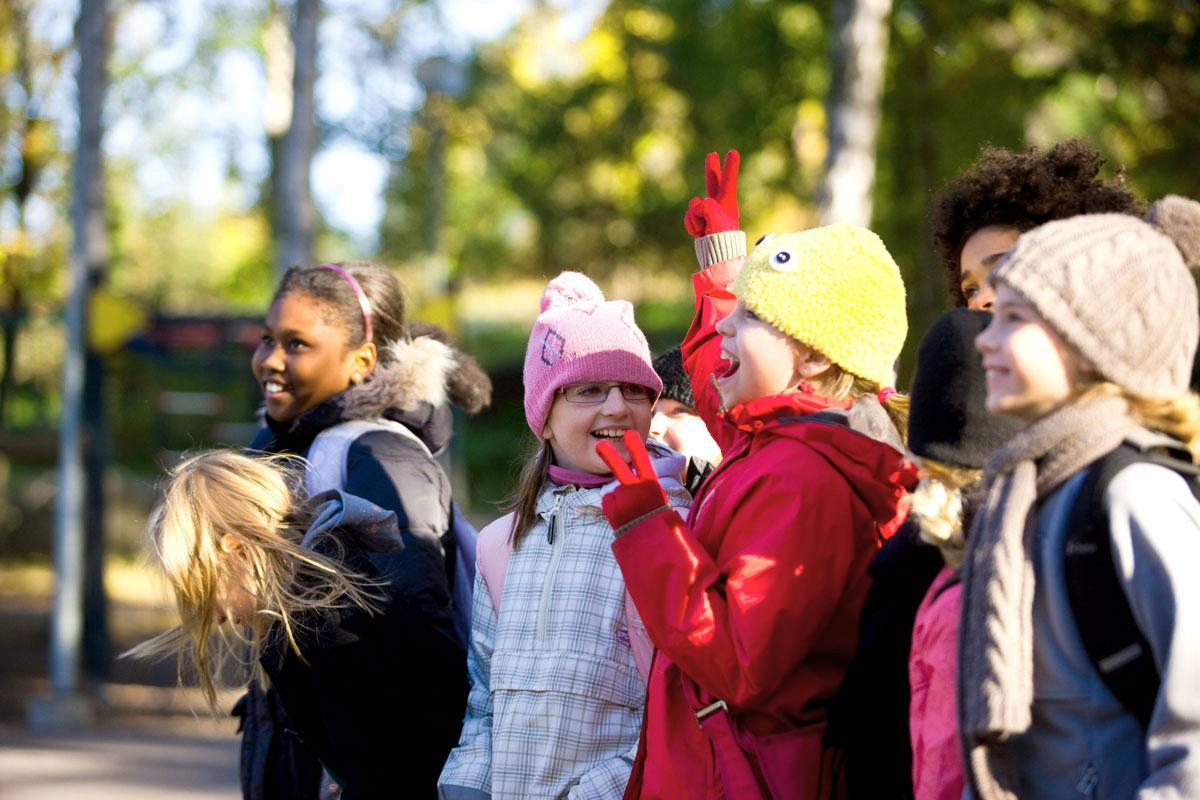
(1082,743)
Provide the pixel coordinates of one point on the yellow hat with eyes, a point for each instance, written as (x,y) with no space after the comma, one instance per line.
(836,289)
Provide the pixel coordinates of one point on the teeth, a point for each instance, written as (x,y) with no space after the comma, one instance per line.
(609,433)
(273,386)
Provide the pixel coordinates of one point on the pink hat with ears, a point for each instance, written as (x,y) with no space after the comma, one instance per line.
(580,337)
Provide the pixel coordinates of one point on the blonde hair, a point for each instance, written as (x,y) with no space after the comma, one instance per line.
(938,506)
(1177,417)
(838,384)
(229,522)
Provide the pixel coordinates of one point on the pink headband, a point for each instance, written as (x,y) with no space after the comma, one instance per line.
(363,302)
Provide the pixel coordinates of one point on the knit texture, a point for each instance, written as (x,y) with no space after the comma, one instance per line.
(1117,289)
(677,385)
(581,337)
(995,645)
(835,289)
(948,420)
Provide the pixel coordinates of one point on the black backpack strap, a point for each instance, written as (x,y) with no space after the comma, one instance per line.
(1115,644)
(829,417)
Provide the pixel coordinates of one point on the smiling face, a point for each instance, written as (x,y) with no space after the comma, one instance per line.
(981,252)
(681,429)
(762,360)
(304,358)
(574,429)
(1030,370)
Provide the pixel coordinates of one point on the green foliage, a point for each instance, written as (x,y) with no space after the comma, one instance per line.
(583,153)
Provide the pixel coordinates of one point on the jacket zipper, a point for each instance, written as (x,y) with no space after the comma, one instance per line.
(553,534)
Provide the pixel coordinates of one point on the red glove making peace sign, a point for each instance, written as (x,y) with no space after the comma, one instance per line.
(640,493)
(718,211)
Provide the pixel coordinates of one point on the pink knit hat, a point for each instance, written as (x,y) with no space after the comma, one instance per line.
(581,337)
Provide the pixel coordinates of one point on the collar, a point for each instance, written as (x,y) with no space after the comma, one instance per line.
(754,415)
(561,476)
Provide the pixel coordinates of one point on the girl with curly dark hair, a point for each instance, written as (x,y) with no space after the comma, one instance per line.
(981,212)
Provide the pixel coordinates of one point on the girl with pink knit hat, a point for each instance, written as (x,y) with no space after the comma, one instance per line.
(558,654)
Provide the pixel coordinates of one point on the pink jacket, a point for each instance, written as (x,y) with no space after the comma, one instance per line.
(932,671)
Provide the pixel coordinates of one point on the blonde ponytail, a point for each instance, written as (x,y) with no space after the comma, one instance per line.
(838,384)
(1177,417)
(938,506)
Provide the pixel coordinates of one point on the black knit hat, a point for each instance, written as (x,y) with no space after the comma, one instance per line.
(676,384)
(947,419)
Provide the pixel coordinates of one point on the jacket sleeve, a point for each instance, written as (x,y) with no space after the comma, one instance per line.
(937,766)
(1155,526)
(720,256)
(739,625)
(468,771)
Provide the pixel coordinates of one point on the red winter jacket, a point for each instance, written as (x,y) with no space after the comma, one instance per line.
(757,596)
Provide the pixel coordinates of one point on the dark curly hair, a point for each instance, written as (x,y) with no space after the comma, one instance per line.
(1022,190)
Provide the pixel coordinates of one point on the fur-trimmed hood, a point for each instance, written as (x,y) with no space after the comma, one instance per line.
(424,369)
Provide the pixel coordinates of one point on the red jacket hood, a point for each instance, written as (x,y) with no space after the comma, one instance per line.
(848,438)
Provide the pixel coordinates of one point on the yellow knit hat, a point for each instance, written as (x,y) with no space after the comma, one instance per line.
(835,289)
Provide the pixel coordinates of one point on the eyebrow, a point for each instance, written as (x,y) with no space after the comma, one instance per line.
(993,258)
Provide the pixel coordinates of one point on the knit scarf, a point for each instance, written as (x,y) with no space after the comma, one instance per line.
(995,646)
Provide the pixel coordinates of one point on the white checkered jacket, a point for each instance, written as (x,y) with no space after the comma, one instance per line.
(556,699)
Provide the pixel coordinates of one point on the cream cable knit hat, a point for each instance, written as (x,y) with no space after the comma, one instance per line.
(1118,289)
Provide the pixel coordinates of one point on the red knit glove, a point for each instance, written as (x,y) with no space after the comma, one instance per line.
(718,211)
(640,493)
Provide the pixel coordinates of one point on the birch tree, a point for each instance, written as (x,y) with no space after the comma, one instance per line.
(859,36)
(295,215)
(89,254)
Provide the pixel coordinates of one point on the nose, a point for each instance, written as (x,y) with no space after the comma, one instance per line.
(615,404)
(724,326)
(658,426)
(983,342)
(272,359)
(983,299)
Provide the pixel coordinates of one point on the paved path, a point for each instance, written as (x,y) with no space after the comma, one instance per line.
(112,765)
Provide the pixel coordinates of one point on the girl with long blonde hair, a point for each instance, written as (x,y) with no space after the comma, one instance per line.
(313,597)
(1078,648)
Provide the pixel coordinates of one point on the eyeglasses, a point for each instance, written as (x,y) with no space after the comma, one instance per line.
(596,393)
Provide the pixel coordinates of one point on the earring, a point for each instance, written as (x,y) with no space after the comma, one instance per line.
(356,378)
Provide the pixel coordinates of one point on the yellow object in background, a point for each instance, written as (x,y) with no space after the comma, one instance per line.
(112,321)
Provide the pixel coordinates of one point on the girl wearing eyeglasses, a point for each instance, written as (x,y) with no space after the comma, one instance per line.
(557,648)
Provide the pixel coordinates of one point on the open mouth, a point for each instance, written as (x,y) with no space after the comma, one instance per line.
(725,369)
(609,434)
(272,387)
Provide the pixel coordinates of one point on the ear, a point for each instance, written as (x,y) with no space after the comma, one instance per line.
(365,358)
(229,543)
(810,364)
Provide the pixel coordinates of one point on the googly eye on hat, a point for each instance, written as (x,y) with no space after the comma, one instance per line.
(782,261)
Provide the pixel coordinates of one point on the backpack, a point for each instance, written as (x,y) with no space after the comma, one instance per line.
(1114,643)
(327,470)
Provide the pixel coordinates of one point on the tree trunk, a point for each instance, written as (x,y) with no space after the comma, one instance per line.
(89,253)
(295,214)
(859,55)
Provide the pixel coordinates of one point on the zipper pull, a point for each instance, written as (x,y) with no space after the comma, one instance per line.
(550,528)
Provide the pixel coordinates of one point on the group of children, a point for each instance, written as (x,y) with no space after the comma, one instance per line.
(977,590)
